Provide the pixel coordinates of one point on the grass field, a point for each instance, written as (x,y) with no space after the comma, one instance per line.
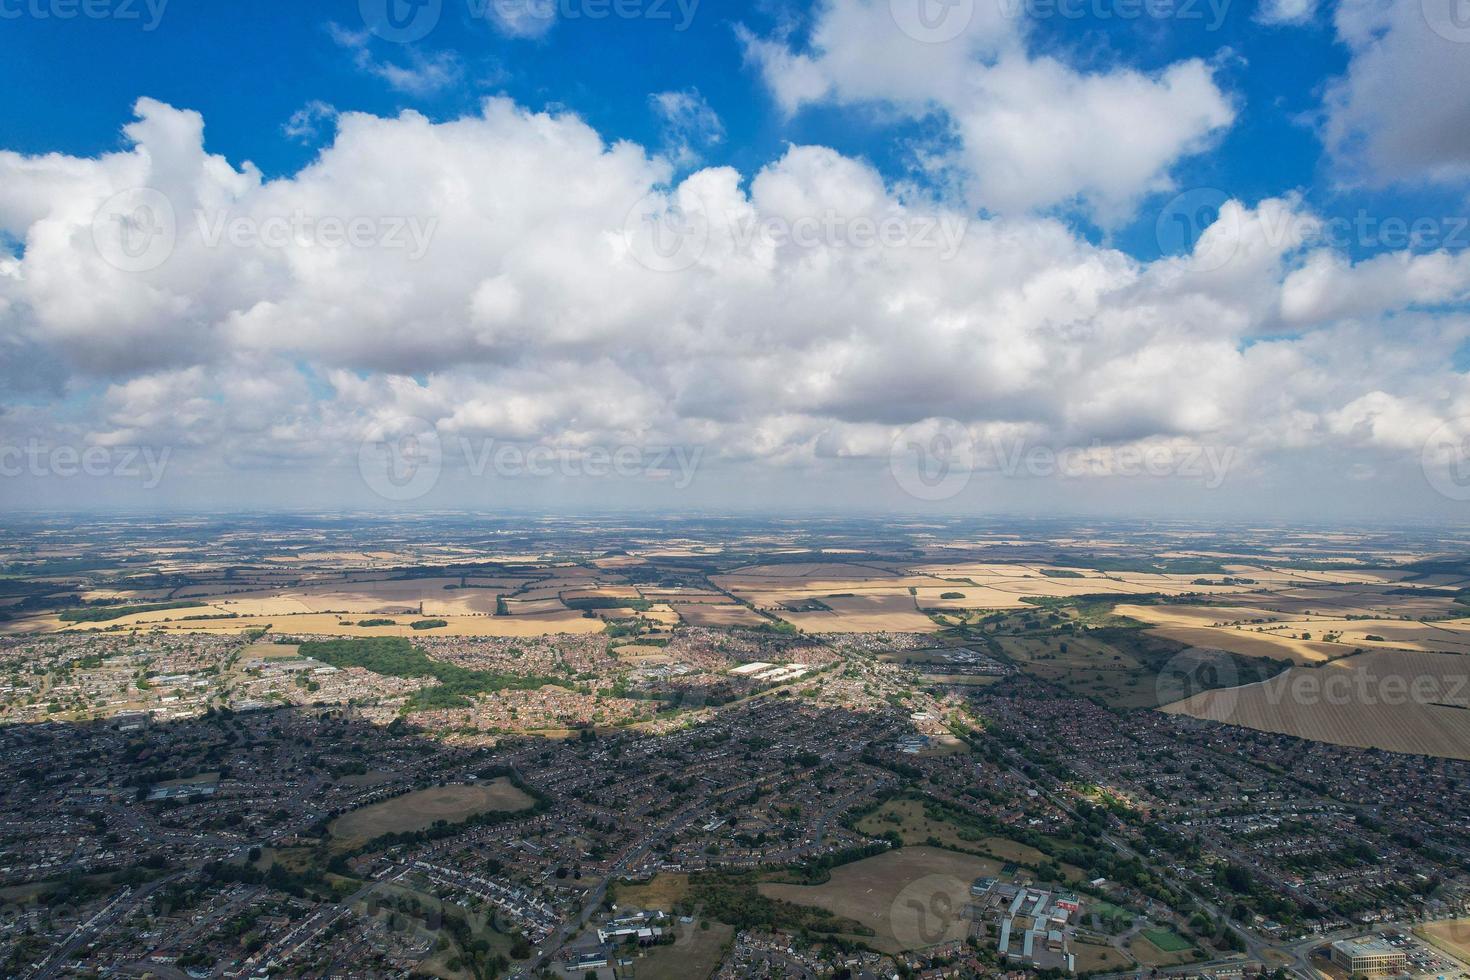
(695,954)
(1091,958)
(418,810)
(915,827)
(1102,908)
(270,651)
(1452,936)
(660,892)
(911,897)
(1166,940)
(1147,950)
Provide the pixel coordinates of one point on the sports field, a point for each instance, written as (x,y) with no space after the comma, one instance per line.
(1160,947)
(1166,940)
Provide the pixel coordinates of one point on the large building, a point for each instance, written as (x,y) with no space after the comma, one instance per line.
(1369,956)
(1039,921)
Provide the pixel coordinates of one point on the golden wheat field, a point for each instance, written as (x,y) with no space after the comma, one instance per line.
(330,624)
(717,614)
(1399,701)
(1197,616)
(1248,643)
(1311,625)
(887,613)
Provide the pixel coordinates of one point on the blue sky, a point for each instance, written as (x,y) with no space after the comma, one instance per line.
(1062,144)
(248,67)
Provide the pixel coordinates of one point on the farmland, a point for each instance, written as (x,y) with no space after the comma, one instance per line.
(1399,701)
(718,614)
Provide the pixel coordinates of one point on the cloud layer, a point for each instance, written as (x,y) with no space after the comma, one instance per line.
(1027,131)
(512,275)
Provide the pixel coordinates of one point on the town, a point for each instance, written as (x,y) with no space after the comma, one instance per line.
(207,797)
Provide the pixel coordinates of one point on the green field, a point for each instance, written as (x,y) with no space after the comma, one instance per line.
(1166,940)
